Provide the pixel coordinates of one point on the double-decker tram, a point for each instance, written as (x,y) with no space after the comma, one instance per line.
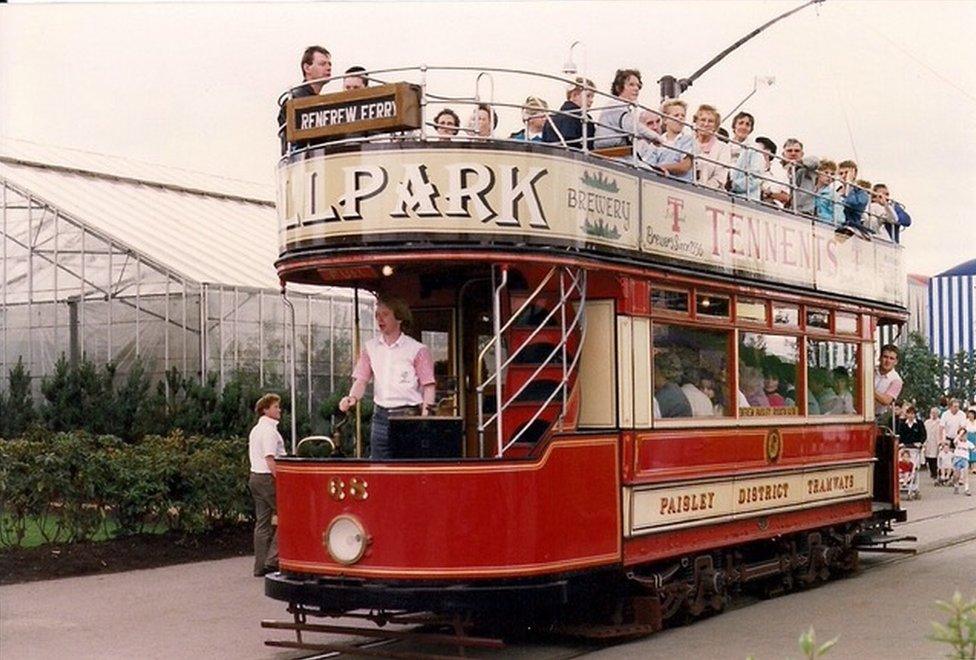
(651,395)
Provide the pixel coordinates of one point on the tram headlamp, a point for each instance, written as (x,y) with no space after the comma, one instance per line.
(346,539)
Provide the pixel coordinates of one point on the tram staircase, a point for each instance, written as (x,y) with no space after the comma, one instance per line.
(540,332)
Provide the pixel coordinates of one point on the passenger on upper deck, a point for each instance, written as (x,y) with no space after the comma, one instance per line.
(483,122)
(316,64)
(354,82)
(828,204)
(566,126)
(402,371)
(447,124)
(749,160)
(673,155)
(775,187)
(535,115)
(801,171)
(742,126)
(616,124)
(711,169)
(897,216)
(854,196)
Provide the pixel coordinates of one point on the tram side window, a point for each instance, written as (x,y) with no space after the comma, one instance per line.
(767,374)
(832,378)
(690,371)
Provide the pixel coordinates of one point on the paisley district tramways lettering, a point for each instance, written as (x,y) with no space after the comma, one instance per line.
(829,484)
(703,501)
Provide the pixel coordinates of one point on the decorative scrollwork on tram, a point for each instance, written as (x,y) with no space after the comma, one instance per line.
(774,445)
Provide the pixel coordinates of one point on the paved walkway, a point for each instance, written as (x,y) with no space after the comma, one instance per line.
(213,609)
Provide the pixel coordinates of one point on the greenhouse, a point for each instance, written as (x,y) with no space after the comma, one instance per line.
(117,261)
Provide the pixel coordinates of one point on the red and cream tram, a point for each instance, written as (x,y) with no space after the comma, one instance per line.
(652,395)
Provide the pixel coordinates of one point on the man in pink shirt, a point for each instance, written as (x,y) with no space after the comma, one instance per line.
(402,371)
(887,382)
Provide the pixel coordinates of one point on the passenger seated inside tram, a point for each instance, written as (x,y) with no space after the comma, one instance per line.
(751,384)
(819,391)
(771,388)
(695,388)
(670,398)
(838,399)
(616,124)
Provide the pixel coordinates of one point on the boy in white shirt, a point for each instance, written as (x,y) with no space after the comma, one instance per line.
(960,461)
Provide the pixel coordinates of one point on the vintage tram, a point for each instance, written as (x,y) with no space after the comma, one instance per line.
(652,394)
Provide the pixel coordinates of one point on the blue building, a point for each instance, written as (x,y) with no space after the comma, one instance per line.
(952,323)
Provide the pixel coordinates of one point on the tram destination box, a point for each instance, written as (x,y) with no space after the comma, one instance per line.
(383,108)
(426,437)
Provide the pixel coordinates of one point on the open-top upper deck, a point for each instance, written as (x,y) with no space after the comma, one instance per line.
(379,192)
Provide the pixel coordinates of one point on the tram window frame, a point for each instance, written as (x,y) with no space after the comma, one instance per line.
(729,409)
(667,311)
(847,316)
(799,381)
(854,374)
(811,312)
(703,297)
(786,308)
(765,304)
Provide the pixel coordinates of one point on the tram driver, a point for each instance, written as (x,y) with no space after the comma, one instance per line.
(402,371)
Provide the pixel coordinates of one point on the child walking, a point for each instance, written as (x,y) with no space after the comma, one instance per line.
(960,461)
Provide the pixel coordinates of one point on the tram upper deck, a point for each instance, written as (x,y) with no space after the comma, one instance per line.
(365,176)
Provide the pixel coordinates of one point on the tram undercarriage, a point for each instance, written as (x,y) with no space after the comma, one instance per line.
(611,604)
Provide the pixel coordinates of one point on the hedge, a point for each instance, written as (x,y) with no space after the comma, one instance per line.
(82,482)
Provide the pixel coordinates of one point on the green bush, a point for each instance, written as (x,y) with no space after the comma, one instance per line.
(71,485)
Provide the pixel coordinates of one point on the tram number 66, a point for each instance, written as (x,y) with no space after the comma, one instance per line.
(356,489)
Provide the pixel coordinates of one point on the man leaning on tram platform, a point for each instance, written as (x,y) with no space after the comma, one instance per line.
(264,445)
(887,382)
(316,64)
(402,371)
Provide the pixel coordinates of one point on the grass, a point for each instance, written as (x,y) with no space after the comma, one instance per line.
(34,534)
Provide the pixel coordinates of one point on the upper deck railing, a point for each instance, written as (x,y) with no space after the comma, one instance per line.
(365,185)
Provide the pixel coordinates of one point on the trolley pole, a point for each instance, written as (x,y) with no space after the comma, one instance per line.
(672,88)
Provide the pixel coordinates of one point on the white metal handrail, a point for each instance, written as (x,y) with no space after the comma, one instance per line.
(575,291)
(614,101)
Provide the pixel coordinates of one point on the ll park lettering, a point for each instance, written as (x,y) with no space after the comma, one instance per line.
(505,195)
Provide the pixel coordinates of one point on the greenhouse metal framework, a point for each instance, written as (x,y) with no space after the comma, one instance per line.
(122,262)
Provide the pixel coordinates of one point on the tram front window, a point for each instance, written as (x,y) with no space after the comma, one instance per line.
(690,367)
(767,374)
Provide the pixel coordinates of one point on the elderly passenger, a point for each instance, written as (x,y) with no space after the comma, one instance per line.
(801,171)
(711,154)
(616,124)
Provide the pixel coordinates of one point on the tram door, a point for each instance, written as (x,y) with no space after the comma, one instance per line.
(437,330)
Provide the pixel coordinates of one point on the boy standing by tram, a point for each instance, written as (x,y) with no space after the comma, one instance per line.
(264,445)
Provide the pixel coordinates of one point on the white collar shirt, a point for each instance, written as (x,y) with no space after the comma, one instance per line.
(399,370)
(264,441)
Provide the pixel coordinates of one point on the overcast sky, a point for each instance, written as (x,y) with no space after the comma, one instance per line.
(194,85)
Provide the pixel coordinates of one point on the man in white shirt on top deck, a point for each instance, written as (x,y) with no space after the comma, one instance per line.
(264,445)
(402,371)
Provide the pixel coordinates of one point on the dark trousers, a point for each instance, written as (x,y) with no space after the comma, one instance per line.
(379,432)
(262,488)
(933,464)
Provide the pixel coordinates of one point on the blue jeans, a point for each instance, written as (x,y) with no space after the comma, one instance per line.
(379,435)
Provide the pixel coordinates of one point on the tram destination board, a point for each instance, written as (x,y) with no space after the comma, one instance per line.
(358,111)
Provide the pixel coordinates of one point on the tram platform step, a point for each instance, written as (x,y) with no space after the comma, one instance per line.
(538,388)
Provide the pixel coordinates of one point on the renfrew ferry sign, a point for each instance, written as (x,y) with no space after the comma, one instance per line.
(533,198)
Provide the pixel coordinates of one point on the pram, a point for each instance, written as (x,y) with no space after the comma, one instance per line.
(908,472)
